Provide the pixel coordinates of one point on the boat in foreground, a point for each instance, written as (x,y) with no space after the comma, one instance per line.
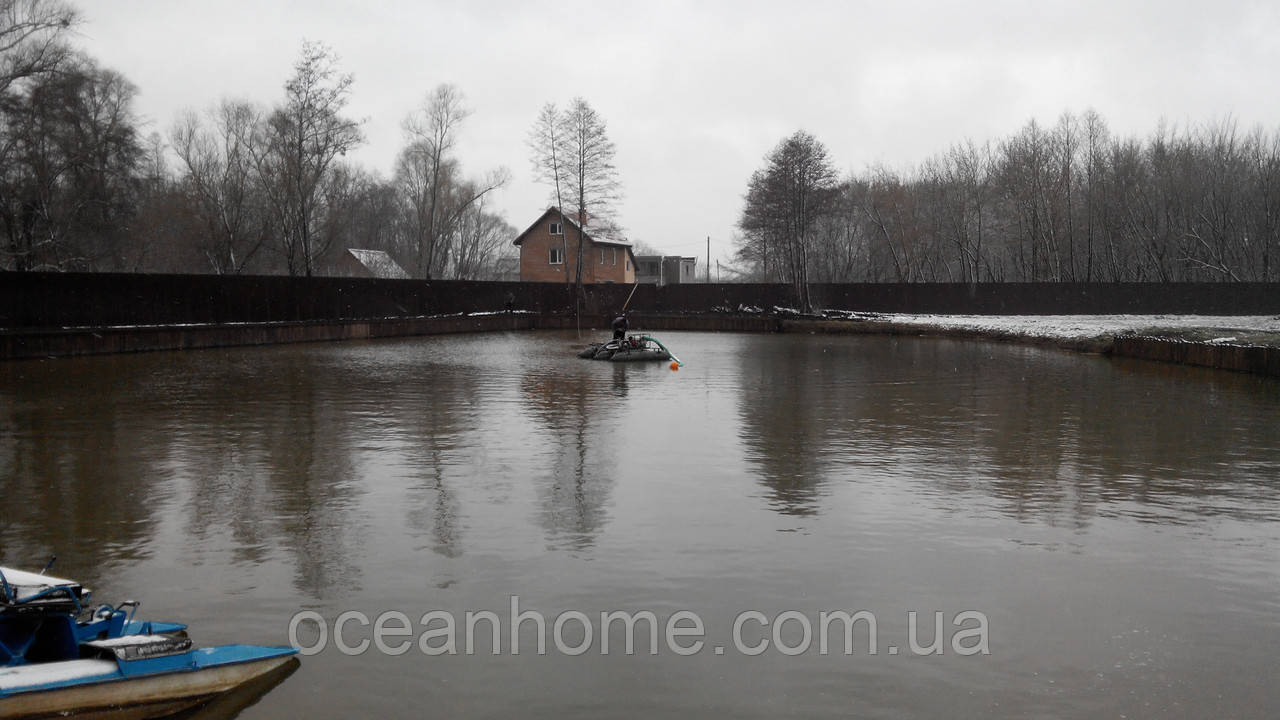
(59,658)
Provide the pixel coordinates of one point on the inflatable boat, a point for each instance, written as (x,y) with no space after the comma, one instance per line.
(635,348)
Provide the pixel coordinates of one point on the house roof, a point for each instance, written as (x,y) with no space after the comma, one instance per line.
(379,264)
(665,257)
(606,241)
(568,217)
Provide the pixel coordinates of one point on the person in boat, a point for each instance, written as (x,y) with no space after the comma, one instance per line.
(620,326)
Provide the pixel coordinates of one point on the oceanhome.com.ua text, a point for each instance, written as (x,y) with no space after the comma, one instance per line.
(791,632)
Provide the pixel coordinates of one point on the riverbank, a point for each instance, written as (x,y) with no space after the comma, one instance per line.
(1239,343)
(65,342)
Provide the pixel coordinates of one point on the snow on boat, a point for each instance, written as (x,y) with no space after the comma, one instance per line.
(631,349)
(57,658)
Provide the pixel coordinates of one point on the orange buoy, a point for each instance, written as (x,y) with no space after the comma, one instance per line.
(675,365)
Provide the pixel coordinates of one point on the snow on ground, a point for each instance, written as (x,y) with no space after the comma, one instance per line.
(1090,326)
(1203,328)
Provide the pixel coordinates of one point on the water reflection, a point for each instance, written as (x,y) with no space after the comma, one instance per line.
(437,422)
(1047,435)
(784,415)
(72,467)
(454,472)
(313,479)
(579,439)
(267,456)
(276,448)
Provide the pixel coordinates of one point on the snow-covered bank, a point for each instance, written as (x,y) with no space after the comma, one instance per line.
(1087,327)
(1244,343)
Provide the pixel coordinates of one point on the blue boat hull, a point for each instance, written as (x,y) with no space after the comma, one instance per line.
(142,688)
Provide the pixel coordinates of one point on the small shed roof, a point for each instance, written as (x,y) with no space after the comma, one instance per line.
(379,264)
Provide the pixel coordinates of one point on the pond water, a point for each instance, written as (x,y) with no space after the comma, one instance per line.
(1100,538)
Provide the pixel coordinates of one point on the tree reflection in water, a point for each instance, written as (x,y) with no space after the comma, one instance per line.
(1050,435)
(574,473)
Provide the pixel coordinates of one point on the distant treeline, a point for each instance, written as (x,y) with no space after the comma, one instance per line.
(241,189)
(1068,203)
(232,189)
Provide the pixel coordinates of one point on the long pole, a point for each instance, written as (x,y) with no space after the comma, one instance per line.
(708,259)
(635,285)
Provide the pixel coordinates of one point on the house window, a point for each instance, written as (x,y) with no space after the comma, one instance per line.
(613,253)
(601,256)
(628,264)
(557,256)
(556,229)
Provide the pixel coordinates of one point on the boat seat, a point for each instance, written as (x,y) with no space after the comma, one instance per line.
(137,647)
(25,592)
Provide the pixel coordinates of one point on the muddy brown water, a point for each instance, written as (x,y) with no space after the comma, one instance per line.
(1108,532)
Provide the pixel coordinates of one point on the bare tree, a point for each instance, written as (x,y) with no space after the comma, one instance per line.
(427,168)
(786,199)
(372,217)
(428,176)
(220,182)
(840,240)
(546,141)
(1264,223)
(890,206)
(162,232)
(1096,136)
(31,38)
(303,140)
(1067,203)
(480,239)
(71,160)
(969,178)
(573,153)
(590,176)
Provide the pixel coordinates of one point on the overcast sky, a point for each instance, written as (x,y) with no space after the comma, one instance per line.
(696,93)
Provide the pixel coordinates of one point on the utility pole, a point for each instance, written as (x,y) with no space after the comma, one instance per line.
(708,259)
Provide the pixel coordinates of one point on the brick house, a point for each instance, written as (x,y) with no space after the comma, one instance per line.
(549,253)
